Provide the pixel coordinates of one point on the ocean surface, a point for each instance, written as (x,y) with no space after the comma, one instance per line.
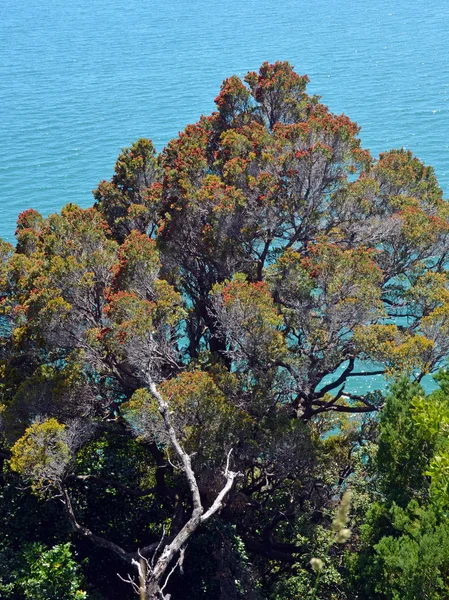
(81,79)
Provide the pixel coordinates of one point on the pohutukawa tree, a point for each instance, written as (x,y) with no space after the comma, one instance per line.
(215,300)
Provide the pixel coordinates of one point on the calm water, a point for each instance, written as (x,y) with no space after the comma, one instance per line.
(80,79)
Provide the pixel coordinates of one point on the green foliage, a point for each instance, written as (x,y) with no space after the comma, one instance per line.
(41,455)
(204,420)
(404,451)
(413,561)
(247,313)
(402,353)
(317,574)
(127,202)
(41,573)
(405,537)
(431,416)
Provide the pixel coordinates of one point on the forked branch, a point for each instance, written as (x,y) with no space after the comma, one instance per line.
(163,553)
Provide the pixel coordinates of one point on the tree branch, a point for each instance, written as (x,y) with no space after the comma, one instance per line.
(198,515)
(184,457)
(326,406)
(219,500)
(366,373)
(84,531)
(338,382)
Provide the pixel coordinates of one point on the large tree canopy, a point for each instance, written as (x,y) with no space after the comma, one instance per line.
(211,305)
(270,205)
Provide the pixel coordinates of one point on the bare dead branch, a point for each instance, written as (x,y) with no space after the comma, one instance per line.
(177,545)
(84,531)
(131,582)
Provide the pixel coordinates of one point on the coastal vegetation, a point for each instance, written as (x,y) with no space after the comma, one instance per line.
(178,365)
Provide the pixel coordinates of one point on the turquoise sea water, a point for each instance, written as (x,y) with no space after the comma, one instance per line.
(80,79)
